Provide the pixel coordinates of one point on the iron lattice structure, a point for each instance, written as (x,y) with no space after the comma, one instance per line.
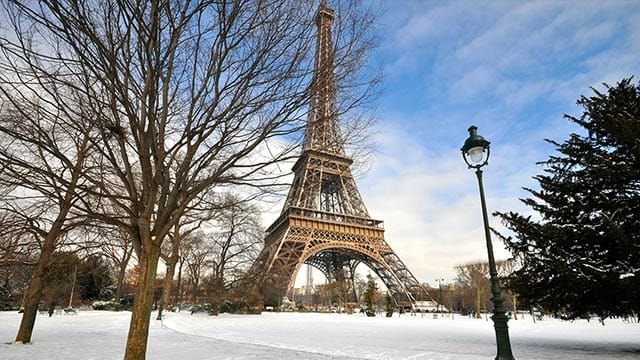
(324,222)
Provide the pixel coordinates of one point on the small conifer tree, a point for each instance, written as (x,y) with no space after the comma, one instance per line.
(389,303)
(370,296)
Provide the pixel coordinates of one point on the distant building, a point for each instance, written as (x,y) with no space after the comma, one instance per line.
(428,306)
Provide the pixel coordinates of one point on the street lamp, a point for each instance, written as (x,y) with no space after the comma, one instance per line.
(475,153)
(439,281)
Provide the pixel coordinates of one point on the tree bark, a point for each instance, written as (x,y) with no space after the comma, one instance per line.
(171,269)
(167,285)
(33,294)
(136,348)
(121,273)
(478,301)
(179,287)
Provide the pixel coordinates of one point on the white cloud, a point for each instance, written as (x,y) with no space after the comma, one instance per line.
(430,205)
(588,36)
(474,83)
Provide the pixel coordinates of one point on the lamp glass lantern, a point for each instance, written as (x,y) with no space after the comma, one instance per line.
(475,150)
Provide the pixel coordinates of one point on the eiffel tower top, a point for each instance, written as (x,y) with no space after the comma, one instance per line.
(323,186)
(322,132)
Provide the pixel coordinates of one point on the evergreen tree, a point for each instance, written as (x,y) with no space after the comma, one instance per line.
(95,278)
(582,256)
(60,280)
(370,296)
(389,305)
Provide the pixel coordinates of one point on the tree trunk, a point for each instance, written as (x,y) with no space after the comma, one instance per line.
(353,286)
(73,286)
(515,306)
(31,301)
(136,348)
(166,286)
(179,287)
(33,294)
(121,273)
(478,299)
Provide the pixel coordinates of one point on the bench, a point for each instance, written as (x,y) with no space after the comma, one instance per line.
(70,311)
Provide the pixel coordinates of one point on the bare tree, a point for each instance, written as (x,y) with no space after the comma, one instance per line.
(184,95)
(171,252)
(236,241)
(505,269)
(171,255)
(218,255)
(340,287)
(475,276)
(43,149)
(18,252)
(117,247)
(196,254)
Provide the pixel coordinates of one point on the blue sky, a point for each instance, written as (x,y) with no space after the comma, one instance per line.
(512,68)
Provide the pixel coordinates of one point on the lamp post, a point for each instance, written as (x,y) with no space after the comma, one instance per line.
(439,281)
(475,153)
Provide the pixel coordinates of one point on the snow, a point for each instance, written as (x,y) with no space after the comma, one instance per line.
(102,335)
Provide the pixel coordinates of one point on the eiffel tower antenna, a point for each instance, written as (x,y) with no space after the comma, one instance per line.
(324,222)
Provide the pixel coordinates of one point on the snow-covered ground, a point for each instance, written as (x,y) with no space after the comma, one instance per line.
(102,335)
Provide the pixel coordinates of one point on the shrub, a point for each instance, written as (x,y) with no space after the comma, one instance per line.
(106,306)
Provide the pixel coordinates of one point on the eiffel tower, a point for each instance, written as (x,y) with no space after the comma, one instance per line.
(324,222)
